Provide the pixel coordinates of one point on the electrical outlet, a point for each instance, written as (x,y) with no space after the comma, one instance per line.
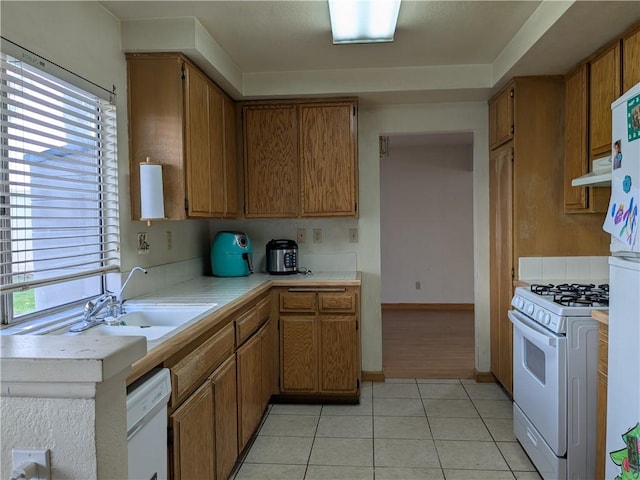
(143,245)
(353,235)
(40,458)
(301,235)
(169,240)
(418,285)
(317,235)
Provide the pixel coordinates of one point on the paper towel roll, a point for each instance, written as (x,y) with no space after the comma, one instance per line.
(151,193)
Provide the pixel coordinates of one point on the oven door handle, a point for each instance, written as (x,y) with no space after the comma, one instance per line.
(530,329)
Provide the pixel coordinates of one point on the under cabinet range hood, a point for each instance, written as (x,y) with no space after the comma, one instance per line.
(599,176)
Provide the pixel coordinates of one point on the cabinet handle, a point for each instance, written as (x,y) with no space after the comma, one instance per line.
(318,289)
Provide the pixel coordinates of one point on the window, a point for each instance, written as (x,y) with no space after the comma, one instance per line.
(58,186)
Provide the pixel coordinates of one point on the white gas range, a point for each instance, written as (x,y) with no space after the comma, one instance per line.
(555,355)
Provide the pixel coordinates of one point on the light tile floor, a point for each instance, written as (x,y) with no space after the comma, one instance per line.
(402,429)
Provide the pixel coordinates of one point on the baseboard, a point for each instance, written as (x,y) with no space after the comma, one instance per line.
(373,376)
(429,306)
(483,377)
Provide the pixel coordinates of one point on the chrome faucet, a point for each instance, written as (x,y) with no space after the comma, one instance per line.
(93,307)
(119,300)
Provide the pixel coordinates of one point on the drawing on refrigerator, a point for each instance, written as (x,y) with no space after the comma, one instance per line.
(627,458)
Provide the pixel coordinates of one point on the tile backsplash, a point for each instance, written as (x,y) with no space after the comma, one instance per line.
(158,277)
(594,269)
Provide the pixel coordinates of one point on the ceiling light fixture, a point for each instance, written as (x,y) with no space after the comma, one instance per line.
(363,21)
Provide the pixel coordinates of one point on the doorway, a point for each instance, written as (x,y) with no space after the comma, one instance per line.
(426,225)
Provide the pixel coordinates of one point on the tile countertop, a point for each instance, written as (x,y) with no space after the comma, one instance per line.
(223,294)
(34,353)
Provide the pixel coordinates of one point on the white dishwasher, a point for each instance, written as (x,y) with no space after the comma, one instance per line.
(147,427)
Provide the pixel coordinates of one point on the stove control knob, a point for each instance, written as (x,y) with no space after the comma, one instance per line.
(521,303)
(547,319)
(530,309)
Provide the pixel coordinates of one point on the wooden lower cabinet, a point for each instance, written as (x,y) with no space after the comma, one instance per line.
(319,341)
(225,418)
(338,355)
(299,354)
(269,351)
(193,427)
(249,371)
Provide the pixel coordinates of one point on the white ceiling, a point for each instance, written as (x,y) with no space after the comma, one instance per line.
(443,50)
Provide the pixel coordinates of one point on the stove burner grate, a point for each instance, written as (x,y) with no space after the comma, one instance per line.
(575,294)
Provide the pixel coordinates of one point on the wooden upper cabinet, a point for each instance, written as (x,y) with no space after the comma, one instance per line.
(577,161)
(631,60)
(300,159)
(156,119)
(271,161)
(178,117)
(230,157)
(501,118)
(328,159)
(576,155)
(604,88)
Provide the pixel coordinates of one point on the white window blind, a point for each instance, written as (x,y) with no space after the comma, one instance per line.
(58,182)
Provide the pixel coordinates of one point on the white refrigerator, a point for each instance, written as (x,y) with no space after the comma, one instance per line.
(623,390)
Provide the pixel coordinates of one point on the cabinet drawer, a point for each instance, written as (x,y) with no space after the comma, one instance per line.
(342,302)
(188,373)
(264,309)
(246,324)
(298,302)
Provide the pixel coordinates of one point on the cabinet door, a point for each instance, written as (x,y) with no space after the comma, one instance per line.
(156,115)
(217,181)
(226,417)
(631,60)
(193,436)
(272,185)
(604,89)
(501,118)
(501,261)
(576,151)
(230,157)
(198,148)
(299,354)
(328,159)
(269,339)
(576,155)
(249,367)
(338,354)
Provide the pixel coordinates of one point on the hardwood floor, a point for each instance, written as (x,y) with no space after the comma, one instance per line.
(427,344)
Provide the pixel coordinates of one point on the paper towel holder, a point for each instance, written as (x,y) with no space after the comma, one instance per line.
(151,192)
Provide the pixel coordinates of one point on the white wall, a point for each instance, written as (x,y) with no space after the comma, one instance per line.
(84,38)
(426,224)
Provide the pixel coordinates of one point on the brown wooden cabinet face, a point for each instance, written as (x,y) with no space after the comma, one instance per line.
(249,371)
(217,146)
(501,264)
(230,158)
(299,354)
(269,345)
(193,436)
(272,185)
(631,60)
(156,110)
(226,417)
(339,356)
(328,159)
(576,155)
(501,119)
(198,143)
(604,88)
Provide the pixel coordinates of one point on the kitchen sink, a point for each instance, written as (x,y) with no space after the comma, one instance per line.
(161,315)
(150,321)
